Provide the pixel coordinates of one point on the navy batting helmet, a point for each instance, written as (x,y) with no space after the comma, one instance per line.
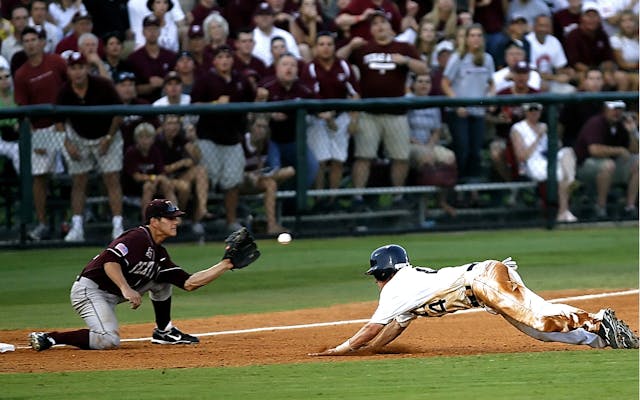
(386,261)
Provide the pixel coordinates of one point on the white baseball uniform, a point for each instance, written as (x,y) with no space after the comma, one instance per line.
(417,291)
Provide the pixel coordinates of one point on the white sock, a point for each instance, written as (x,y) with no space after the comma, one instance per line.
(116,220)
(76,222)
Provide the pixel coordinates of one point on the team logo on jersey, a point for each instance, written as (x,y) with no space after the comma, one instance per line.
(380,62)
(149,253)
(122,249)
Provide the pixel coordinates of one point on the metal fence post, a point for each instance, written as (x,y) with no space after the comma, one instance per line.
(552,162)
(301,157)
(26,180)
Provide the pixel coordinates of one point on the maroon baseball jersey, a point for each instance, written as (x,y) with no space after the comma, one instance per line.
(337,82)
(141,259)
(586,49)
(225,129)
(39,85)
(379,76)
(254,67)
(285,131)
(134,161)
(145,67)
(363,28)
(597,130)
(100,91)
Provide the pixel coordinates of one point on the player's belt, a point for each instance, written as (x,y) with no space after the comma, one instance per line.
(469,292)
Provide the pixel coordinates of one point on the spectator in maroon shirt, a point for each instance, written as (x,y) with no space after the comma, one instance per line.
(278,48)
(151,63)
(201,10)
(182,156)
(196,46)
(355,16)
(607,152)
(384,66)
(37,82)
(243,59)
(216,33)
(308,21)
(574,115)
(491,14)
(125,84)
(567,19)
(239,14)
(221,134)
(113,58)
(285,85)
(588,45)
(144,168)
(92,141)
(82,23)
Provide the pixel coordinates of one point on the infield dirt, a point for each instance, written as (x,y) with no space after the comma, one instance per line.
(456,334)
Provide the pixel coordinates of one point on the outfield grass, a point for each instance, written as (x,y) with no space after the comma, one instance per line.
(605,374)
(34,289)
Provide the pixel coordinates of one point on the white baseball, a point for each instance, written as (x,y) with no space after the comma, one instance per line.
(284,238)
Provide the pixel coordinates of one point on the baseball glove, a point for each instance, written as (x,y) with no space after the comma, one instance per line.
(241,249)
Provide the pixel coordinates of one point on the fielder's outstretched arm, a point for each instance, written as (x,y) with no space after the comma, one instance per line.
(377,335)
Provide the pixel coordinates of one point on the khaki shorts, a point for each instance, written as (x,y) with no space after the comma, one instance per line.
(590,168)
(392,130)
(224,164)
(52,142)
(90,157)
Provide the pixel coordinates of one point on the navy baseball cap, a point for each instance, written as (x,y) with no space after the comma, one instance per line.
(161,208)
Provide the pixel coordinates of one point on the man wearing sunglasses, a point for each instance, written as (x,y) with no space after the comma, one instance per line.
(131,265)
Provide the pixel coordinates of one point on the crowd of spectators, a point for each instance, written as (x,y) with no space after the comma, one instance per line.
(170,52)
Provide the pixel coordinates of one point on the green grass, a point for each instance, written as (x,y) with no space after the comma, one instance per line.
(603,374)
(34,293)
(34,285)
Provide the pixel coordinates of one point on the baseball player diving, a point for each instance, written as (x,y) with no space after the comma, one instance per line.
(131,265)
(408,292)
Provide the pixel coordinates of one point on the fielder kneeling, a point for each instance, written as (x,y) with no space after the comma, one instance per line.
(408,292)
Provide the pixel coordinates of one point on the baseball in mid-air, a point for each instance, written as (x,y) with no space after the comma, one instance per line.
(284,238)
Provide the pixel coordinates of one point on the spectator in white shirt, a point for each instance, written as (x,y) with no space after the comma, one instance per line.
(548,57)
(265,31)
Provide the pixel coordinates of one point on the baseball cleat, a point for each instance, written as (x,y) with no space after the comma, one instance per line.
(172,336)
(40,341)
(626,337)
(609,329)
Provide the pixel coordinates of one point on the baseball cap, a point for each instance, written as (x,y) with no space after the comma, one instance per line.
(615,104)
(36,30)
(76,58)
(222,48)
(264,9)
(184,53)
(195,31)
(445,45)
(521,67)
(80,15)
(379,13)
(150,20)
(172,76)
(532,106)
(125,76)
(590,6)
(159,208)
(517,18)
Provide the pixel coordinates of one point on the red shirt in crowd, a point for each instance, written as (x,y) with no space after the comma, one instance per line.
(39,85)
(285,131)
(144,66)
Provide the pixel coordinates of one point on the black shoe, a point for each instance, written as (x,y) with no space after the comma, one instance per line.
(40,341)
(609,329)
(626,338)
(172,336)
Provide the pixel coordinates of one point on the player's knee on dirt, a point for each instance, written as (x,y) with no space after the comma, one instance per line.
(104,340)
